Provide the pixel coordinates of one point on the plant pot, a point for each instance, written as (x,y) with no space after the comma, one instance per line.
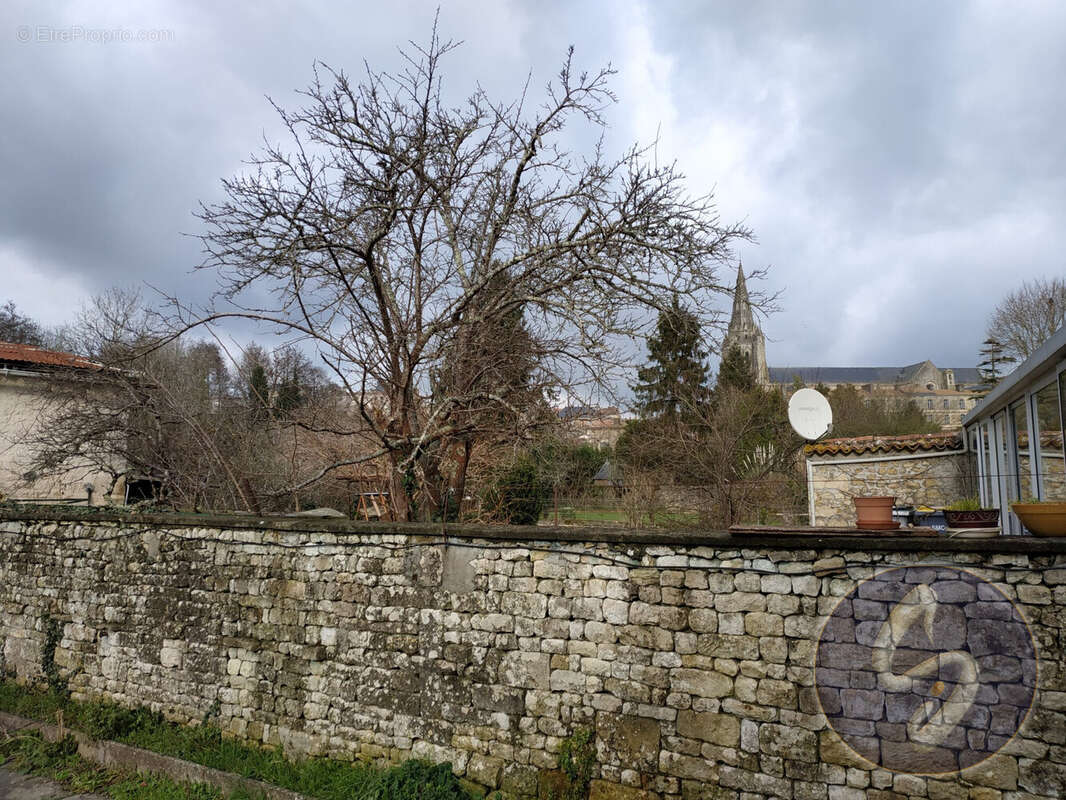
(875,513)
(974,518)
(1042,519)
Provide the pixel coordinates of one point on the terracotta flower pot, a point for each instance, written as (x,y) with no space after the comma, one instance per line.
(1042,519)
(875,513)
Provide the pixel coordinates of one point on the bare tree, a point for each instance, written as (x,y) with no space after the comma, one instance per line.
(395,228)
(1026,318)
(175,416)
(17,328)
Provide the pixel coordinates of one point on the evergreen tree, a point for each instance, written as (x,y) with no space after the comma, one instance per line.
(674,382)
(258,391)
(290,394)
(736,371)
(758,415)
(992,363)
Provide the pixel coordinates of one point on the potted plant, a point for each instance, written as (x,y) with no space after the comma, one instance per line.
(1042,517)
(875,513)
(968,513)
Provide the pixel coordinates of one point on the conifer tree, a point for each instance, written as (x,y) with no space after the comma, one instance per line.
(674,382)
(993,361)
(736,371)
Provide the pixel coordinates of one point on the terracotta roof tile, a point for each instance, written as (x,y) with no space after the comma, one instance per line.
(28,354)
(910,443)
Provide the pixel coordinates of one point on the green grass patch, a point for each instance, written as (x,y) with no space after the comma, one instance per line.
(615,516)
(204,744)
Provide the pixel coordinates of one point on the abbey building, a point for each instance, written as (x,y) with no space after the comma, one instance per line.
(944,394)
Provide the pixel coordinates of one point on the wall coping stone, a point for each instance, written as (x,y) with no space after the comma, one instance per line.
(525,533)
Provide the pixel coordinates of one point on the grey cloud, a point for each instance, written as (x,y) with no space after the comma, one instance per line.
(910,155)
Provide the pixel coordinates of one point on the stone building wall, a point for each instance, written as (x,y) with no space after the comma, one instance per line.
(934,480)
(692,657)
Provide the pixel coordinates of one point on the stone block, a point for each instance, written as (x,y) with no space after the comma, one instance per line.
(689,767)
(699,682)
(563,680)
(1001,772)
(525,670)
(628,740)
(605,790)
(740,601)
(523,604)
(708,726)
(789,742)
(485,770)
(759,623)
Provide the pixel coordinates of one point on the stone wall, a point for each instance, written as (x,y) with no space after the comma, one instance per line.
(692,657)
(936,480)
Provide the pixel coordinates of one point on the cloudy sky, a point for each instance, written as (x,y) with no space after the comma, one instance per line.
(903,165)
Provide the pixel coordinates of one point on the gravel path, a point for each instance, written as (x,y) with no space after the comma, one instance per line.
(15,786)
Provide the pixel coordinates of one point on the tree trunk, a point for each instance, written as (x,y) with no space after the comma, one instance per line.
(459,481)
(401,506)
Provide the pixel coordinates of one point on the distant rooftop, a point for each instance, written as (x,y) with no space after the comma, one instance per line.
(587,412)
(910,443)
(25,355)
(815,375)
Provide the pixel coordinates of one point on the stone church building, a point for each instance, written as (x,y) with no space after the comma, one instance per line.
(944,394)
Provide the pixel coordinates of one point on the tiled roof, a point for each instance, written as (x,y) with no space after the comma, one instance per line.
(586,412)
(911,443)
(938,392)
(814,375)
(38,356)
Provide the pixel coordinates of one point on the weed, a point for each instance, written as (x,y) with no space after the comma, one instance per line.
(53,635)
(577,760)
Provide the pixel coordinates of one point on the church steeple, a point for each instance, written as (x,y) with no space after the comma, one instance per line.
(744,333)
(742,316)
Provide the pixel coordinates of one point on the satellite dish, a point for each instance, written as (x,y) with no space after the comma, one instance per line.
(809,414)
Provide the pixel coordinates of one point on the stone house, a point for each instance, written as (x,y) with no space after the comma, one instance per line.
(597,426)
(28,379)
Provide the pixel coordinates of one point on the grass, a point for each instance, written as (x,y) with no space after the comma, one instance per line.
(204,744)
(614,516)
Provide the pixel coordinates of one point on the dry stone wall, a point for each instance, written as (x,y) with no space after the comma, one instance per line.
(691,657)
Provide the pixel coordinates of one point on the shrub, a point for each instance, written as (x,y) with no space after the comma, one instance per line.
(518,494)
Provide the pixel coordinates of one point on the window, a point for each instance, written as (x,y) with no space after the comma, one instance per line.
(1049,432)
(945,404)
(991,496)
(1021,464)
(928,403)
(962,404)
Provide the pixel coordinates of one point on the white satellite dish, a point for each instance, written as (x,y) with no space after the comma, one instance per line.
(809,414)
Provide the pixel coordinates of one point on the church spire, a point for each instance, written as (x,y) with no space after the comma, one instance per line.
(742,316)
(744,333)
